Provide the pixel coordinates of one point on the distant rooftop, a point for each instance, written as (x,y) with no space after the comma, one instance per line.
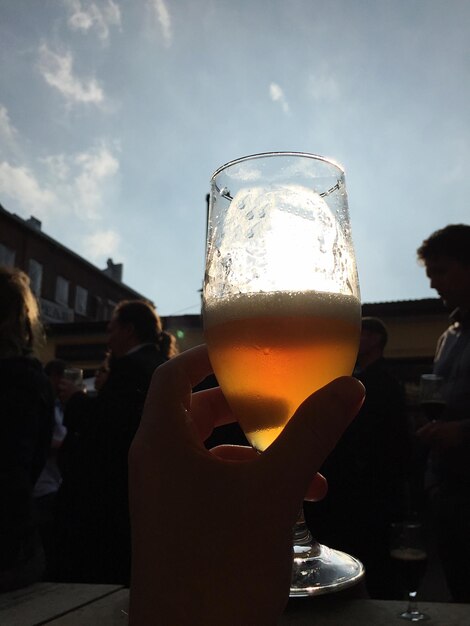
(113,271)
(426,306)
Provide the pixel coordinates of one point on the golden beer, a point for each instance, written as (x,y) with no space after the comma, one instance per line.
(270,351)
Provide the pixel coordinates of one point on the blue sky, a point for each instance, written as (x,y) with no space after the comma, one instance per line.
(114,114)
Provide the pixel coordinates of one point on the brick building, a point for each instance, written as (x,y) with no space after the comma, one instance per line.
(68,287)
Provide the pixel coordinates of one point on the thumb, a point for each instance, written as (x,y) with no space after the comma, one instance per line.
(311,435)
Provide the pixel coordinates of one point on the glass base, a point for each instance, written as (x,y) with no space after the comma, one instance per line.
(318,570)
(414,616)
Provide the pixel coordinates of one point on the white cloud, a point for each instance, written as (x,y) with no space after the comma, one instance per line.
(247,172)
(8,132)
(101,244)
(20,184)
(164,18)
(63,185)
(57,166)
(322,85)
(85,16)
(83,180)
(57,72)
(277,95)
(94,169)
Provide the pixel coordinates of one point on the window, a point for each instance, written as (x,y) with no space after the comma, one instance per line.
(35,276)
(62,291)
(81,300)
(108,309)
(7,256)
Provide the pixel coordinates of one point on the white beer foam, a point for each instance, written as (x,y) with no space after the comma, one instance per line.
(277,304)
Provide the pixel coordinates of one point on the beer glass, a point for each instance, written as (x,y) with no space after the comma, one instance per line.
(431,396)
(75,375)
(281,308)
(409,558)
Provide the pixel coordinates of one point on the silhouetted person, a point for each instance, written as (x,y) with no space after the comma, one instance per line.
(48,483)
(102,373)
(93,516)
(446,256)
(366,472)
(26,419)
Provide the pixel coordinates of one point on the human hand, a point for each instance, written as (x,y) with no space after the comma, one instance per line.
(441,436)
(66,389)
(212,532)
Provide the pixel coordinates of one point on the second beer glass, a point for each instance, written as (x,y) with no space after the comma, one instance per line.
(281,297)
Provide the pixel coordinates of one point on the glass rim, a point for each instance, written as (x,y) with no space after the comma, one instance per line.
(260,155)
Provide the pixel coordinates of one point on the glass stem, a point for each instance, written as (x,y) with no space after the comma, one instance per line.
(302,536)
(305,546)
(412,602)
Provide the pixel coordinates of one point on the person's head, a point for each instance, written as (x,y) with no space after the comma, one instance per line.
(20,327)
(374,337)
(54,369)
(168,345)
(133,322)
(446,257)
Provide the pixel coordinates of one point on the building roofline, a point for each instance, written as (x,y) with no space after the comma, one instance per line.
(424,306)
(42,235)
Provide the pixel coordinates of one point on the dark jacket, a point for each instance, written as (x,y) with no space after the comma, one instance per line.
(93,530)
(26,422)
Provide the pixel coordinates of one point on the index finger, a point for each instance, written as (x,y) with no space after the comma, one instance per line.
(169,396)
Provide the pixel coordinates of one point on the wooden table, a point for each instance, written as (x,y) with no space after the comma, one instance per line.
(55,603)
(106,605)
(331,611)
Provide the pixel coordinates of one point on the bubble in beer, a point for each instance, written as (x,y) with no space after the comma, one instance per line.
(290,240)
